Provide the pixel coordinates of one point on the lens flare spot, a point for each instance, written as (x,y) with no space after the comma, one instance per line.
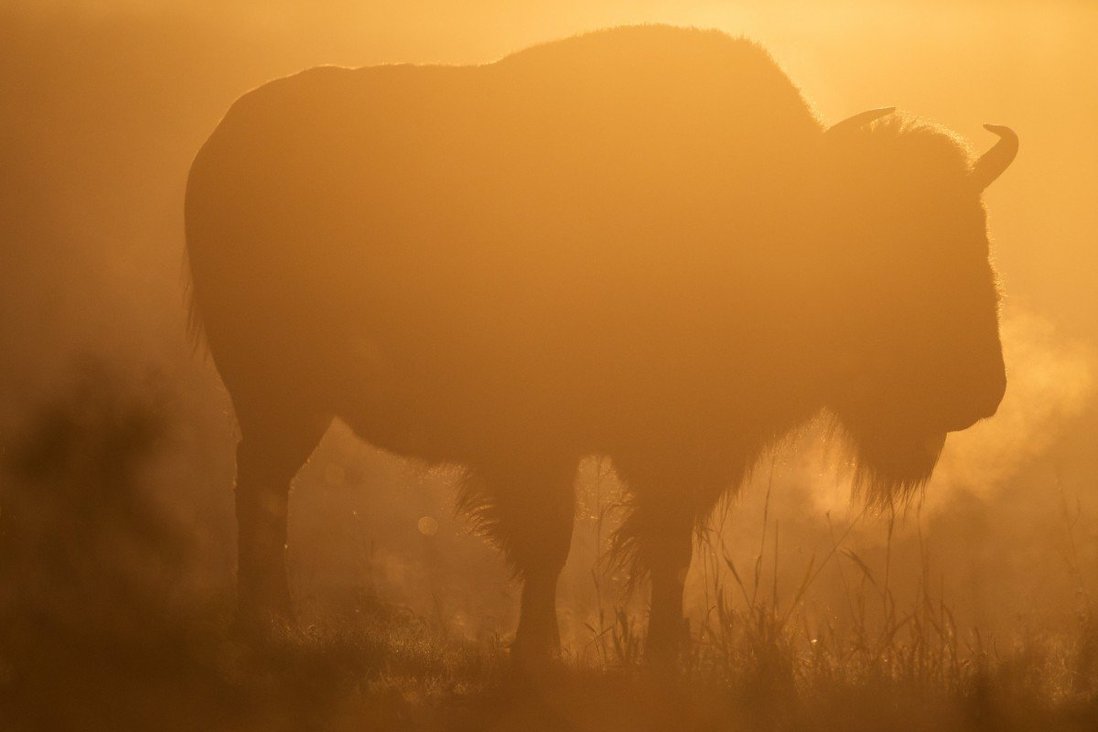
(427,525)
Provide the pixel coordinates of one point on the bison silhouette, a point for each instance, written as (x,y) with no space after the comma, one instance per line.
(639,243)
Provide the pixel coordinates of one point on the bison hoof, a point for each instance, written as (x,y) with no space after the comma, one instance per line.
(264,624)
(665,646)
(534,660)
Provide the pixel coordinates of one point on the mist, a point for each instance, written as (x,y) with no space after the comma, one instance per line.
(104,107)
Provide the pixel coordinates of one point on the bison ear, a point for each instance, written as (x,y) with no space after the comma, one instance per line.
(992,163)
(859,120)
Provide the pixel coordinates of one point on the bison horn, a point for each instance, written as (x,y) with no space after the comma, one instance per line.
(992,163)
(862,118)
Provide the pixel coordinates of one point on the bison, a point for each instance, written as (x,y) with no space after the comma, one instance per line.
(639,243)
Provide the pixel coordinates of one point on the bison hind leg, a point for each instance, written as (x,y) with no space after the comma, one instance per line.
(277,438)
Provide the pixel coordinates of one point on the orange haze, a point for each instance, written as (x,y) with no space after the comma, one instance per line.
(105,105)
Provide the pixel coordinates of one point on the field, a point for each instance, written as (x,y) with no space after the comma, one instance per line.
(115,628)
(972,608)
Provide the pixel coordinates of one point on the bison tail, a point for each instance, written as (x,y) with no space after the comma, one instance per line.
(196,333)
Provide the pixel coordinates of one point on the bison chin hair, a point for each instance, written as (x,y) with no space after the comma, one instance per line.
(890,464)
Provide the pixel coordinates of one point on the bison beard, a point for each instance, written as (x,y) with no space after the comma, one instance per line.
(890,466)
(638,243)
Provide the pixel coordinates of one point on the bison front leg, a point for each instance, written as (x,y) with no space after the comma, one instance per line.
(274,445)
(658,533)
(668,632)
(529,513)
(662,538)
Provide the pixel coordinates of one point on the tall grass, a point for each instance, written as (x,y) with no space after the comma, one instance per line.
(99,631)
(781,662)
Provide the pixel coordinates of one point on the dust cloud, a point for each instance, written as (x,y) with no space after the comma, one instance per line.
(104,107)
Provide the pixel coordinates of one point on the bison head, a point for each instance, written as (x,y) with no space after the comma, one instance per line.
(915,334)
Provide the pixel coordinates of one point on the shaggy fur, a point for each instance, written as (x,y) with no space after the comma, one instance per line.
(638,242)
